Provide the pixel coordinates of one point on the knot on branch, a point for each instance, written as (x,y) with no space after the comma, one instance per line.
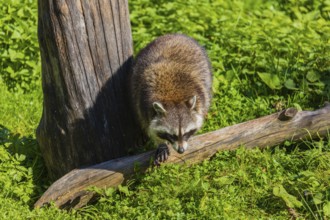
(287,114)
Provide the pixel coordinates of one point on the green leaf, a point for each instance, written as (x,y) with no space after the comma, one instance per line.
(297,106)
(11,72)
(290,200)
(318,198)
(290,84)
(271,80)
(20,157)
(124,190)
(16,35)
(13,54)
(326,209)
(20,13)
(313,76)
(215,85)
(224,180)
(230,74)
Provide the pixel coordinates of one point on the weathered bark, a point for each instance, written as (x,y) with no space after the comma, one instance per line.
(72,189)
(86,54)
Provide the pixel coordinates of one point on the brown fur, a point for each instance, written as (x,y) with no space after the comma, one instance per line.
(170,70)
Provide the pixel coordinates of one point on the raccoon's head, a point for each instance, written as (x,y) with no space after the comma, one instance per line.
(175,123)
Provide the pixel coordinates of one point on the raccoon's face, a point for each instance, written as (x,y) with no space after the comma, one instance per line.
(175,123)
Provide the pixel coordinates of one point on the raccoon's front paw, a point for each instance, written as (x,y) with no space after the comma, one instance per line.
(162,154)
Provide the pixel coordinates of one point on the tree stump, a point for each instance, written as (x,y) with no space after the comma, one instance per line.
(86,55)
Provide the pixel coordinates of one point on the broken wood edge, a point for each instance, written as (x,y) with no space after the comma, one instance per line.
(287,114)
(69,191)
(103,175)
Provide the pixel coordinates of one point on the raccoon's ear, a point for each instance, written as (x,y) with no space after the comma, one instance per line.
(191,103)
(159,108)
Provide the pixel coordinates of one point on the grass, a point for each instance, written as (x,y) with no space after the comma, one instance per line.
(266,56)
(225,187)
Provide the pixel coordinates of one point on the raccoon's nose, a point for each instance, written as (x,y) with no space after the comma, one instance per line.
(181,150)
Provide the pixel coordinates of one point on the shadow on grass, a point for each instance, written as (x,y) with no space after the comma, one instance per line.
(23,152)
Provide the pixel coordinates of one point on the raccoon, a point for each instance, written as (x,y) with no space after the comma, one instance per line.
(171,91)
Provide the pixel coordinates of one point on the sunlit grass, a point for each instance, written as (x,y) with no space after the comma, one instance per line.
(266,56)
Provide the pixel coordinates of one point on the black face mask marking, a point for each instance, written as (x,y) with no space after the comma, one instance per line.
(187,135)
(169,137)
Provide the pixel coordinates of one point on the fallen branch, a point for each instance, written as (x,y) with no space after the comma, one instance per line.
(72,189)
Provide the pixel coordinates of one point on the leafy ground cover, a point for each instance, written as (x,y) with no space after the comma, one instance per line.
(266,56)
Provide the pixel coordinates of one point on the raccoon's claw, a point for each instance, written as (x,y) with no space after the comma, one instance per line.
(162,154)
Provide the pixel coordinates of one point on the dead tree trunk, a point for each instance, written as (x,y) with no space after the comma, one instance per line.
(72,189)
(86,54)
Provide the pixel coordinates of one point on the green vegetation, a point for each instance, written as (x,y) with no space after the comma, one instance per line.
(19,49)
(266,55)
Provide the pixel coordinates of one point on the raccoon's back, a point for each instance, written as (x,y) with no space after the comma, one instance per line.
(171,69)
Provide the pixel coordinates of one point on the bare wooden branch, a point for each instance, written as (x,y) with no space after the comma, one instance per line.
(72,189)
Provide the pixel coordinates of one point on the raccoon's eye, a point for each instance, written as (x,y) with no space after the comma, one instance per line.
(166,136)
(187,135)
(174,137)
